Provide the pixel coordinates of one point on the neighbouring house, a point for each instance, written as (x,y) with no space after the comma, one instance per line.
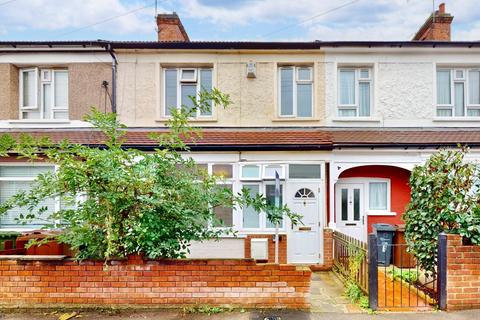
(343,122)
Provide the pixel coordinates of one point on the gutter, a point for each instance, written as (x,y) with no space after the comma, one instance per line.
(403,145)
(270,147)
(114,76)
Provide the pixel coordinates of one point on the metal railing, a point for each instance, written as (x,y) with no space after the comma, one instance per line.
(350,259)
(396,280)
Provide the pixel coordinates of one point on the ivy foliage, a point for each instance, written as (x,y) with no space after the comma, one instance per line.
(445,197)
(119,201)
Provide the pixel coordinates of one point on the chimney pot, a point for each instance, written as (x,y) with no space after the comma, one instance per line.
(436,27)
(441,8)
(170,28)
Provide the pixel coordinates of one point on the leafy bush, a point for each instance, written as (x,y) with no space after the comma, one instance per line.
(133,203)
(444,198)
(409,276)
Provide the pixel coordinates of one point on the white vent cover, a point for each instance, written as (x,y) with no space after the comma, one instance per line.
(251,69)
(259,248)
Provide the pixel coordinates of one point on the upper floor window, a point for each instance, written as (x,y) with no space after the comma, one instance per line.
(296,91)
(43,93)
(458,92)
(183,84)
(354,92)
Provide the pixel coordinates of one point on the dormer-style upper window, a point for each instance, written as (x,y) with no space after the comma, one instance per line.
(181,84)
(43,94)
(295,91)
(458,92)
(354,92)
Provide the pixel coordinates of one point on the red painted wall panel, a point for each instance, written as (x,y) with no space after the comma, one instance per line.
(400,189)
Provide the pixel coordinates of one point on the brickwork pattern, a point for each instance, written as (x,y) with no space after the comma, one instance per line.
(328,248)
(463,274)
(154,282)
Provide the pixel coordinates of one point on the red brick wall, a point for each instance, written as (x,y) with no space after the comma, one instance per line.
(463,274)
(282,247)
(157,283)
(328,248)
(327,252)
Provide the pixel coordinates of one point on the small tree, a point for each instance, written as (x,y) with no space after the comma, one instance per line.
(133,203)
(444,198)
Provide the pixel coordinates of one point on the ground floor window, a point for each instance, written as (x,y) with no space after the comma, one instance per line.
(378,195)
(14,179)
(253,219)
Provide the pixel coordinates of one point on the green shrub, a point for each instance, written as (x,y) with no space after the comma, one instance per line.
(444,198)
(152,204)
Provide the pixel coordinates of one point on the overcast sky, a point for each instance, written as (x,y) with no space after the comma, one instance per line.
(256,20)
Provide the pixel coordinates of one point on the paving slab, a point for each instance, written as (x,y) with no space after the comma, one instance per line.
(327,294)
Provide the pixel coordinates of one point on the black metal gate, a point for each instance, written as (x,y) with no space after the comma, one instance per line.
(397,282)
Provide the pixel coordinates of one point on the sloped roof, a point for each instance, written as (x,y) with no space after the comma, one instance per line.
(405,137)
(221,139)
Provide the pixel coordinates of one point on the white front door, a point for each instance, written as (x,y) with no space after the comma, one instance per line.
(304,239)
(349,207)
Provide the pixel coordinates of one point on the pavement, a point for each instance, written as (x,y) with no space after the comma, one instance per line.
(328,302)
(234,315)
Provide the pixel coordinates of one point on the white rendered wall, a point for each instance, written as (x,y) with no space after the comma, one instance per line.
(404,85)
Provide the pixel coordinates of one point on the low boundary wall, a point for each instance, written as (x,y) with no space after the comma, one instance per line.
(160,283)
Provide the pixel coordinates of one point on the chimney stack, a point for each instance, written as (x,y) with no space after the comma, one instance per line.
(170,28)
(436,27)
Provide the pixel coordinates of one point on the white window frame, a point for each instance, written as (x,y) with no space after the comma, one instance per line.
(366,199)
(389,197)
(40,82)
(259,178)
(179,89)
(225,181)
(195,75)
(294,92)
(21,89)
(262,216)
(466,88)
(281,173)
(29,179)
(358,80)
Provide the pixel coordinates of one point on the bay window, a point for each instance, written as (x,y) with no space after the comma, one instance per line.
(296,91)
(354,92)
(458,92)
(43,94)
(181,85)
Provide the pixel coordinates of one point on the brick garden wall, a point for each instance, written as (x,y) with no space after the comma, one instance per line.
(158,283)
(463,274)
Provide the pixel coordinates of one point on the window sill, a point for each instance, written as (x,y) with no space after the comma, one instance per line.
(38,121)
(456,119)
(381,213)
(260,232)
(294,119)
(190,120)
(356,119)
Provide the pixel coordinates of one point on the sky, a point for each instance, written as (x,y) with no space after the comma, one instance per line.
(230,20)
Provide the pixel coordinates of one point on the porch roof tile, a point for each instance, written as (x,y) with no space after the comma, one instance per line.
(406,137)
(279,138)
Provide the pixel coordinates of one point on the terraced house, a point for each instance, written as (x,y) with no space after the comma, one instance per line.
(343,123)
